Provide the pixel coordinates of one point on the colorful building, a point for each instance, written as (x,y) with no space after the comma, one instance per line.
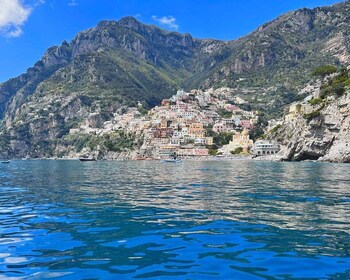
(239,140)
(196,130)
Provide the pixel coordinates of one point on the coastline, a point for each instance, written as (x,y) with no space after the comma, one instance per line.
(186,159)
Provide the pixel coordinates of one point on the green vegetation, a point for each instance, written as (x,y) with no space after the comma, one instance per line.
(115,142)
(315,101)
(4,141)
(315,113)
(143,111)
(312,115)
(325,70)
(257,132)
(220,139)
(335,86)
(347,83)
(213,152)
(277,127)
(224,114)
(237,151)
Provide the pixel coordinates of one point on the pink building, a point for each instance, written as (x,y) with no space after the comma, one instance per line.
(247,124)
(219,127)
(193,152)
(165,102)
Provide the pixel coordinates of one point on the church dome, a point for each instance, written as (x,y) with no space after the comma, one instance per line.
(245,132)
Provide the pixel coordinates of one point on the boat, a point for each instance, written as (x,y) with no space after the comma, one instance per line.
(171,160)
(87,159)
(5,161)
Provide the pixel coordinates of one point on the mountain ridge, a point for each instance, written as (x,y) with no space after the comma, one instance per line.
(58,56)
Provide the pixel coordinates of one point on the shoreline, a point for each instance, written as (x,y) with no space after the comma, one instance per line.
(205,158)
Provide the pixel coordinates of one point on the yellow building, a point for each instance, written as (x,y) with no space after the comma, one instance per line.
(196,130)
(294,111)
(209,141)
(163,123)
(239,140)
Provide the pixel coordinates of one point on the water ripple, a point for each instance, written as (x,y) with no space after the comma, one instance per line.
(197,220)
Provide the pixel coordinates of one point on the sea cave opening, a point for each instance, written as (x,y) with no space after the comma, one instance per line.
(308,156)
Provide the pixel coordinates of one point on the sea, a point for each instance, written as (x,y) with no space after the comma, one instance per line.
(192,220)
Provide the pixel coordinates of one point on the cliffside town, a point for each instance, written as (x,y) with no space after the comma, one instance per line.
(189,124)
(205,123)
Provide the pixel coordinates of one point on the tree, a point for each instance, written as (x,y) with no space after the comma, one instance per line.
(325,70)
(237,151)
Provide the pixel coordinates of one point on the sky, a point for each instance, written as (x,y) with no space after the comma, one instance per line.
(29,27)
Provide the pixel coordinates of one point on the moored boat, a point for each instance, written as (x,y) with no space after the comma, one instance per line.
(87,159)
(171,160)
(5,161)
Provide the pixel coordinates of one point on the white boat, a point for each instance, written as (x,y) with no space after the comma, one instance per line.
(87,159)
(171,160)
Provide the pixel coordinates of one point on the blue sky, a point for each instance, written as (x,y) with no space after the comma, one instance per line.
(29,27)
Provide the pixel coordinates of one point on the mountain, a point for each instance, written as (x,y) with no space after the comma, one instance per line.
(283,52)
(116,62)
(120,63)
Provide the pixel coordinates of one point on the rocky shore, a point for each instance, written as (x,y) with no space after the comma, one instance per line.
(324,137)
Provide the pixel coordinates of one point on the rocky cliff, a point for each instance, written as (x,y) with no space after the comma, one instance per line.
(283,51)
(322,133)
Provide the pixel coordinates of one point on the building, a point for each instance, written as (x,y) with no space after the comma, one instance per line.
(166,151)
(295,110)
(219,127)
(239,140)
(209,141)
(163,133)
(196,130)
(193,152)
(163,123)
(247,124)
(265,148)
(165,103)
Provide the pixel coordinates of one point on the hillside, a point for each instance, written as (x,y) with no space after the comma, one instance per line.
(283,52)
(116,62)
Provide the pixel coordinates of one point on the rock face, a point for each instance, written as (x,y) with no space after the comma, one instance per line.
(283,51)
(325,137)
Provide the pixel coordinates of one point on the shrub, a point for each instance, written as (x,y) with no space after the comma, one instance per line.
(142,111)
(277,127)
(325,70)
(225,114)
(256,132)
(237,151)
(339,89)
(312,115)
(325,91)
(315,101)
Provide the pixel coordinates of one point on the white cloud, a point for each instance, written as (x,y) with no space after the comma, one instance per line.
(169,21)
(73,3)
(13,14)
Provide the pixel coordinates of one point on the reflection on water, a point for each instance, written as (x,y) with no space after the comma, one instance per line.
(196,220)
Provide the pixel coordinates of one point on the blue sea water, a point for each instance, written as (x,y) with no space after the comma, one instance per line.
(195,220)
